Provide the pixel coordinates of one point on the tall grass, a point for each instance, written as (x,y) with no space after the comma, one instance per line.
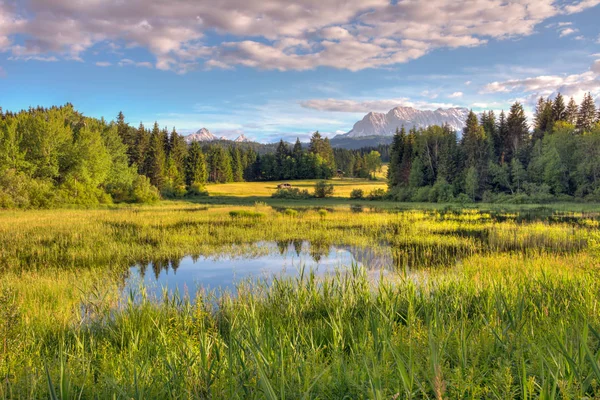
(492,308)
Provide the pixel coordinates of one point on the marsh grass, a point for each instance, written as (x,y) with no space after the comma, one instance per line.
(477,307)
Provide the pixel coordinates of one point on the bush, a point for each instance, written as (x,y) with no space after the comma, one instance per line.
(143,191)
(322,213)
(245,214)
(400,194)
(197,189)
(291,193)
(357,194)
(377,194)
(441,192)
(421,195)
(290,212)
(323,189)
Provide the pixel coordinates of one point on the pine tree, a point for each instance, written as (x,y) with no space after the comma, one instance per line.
(502,137)
(236,165)
(517,131)
(587,113)
(297,150)
(544,118)
(559,111)
(572,112)
(142,141)
(396,153)
(195,166)
(155,158)
(477,148)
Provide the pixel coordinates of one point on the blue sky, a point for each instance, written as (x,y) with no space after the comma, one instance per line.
(272,69)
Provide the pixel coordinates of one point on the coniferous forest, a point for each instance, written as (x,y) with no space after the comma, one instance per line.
(501,158)
(58,156)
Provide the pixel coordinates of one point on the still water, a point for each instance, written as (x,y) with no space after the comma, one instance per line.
(263,260)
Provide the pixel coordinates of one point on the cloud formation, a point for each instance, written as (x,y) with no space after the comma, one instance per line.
(268,34)
(365,106)
(575,85)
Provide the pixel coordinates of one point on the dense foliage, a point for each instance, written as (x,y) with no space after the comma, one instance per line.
(57,156)
(501,159)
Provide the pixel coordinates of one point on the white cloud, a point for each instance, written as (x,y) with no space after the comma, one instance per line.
(127,62)
(467,83)
(567,32)
(546,85)
(270,34)
(103,64)
(455,95)
(365,106)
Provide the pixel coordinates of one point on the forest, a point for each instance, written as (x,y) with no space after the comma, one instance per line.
(502,159)
(57,156)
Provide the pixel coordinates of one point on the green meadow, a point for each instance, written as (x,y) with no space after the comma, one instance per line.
(474,304)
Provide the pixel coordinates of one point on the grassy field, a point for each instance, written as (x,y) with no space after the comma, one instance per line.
(474,305)
(342,187)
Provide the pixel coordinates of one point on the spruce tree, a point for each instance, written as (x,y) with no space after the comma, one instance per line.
(587,114)
(559,110)
(396,153)
(518,130)
(142,141)
(503,148)
(572,112)
(195,166)
(155,158)
(236,165)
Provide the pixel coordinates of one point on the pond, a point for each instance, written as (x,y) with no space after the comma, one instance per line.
(263,260)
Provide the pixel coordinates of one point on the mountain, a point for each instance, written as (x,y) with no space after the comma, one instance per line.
(380,124)
(203,135)
(242,138)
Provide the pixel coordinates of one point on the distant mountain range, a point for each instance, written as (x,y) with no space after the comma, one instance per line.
(374,129)
(204,135)
(380,124)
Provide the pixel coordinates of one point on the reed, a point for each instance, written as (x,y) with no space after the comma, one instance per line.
(476,305)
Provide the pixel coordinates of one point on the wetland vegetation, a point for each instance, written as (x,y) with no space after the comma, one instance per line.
(468,304)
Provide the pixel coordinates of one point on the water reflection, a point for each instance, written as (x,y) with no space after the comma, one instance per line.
(281,258)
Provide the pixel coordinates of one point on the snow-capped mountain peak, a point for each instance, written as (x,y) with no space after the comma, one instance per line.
(242,138)
(202,135)
(380,124)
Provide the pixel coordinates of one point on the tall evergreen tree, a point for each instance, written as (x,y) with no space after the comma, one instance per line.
(587,113)
(237,168)
(503,147)
(559,110)
(142,142)
(155,158)
(195,166)
(518,130)
(396,153)
(572,112)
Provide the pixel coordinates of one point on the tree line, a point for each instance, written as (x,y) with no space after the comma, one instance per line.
(500,158)
(52,156)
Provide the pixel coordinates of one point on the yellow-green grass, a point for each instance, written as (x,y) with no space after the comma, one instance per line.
(342,187)
(487,308)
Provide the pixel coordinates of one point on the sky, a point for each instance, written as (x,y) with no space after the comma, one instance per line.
(274,69)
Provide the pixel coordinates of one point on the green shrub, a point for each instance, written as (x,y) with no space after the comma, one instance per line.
(322,213)
(246,214)
(323,189)
(421,195)
(401,194)
(377,194)
(290,212)
(143,191)
(197,189)
(291,193)
(357,194)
